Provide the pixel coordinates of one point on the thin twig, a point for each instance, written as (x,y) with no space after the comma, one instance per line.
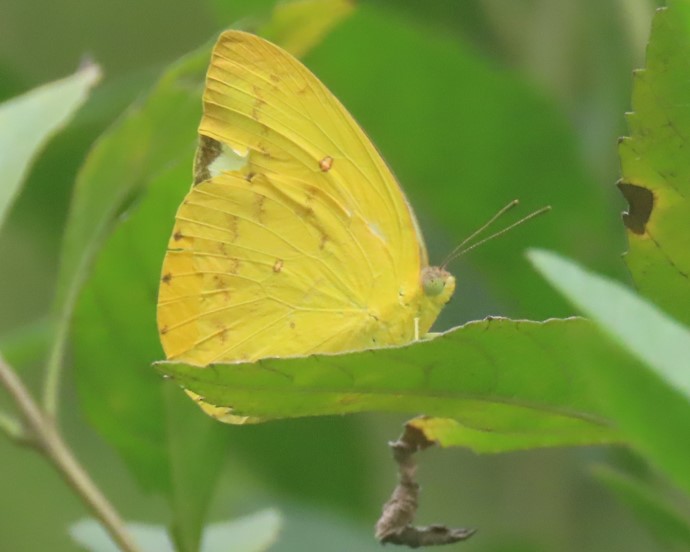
(395,524)
(48,440)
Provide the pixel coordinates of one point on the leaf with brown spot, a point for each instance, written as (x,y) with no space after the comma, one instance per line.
(656,166)
(640,204)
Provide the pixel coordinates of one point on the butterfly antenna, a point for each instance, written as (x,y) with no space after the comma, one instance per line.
(458,251)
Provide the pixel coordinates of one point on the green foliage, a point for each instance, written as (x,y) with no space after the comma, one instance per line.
(629,391)
(314,19)
(139,154)
(28,122)
(252,533)
(508,384)
(663,519)
(654,161)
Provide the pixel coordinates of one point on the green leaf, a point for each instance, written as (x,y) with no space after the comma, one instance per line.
(656,167)
(252,533)
(28,122)
(324,530)
(299,25)
(629,394)
(26,344)
(197,450)
(637,325)
(114,338)
(121,164)
(663,520)
(508,384)
(146,160)
(90,535)
(295,25)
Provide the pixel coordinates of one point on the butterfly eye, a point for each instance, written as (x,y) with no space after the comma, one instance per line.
(434,281)
(434,287)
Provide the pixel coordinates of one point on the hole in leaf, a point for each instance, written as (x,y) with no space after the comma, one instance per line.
(640,204)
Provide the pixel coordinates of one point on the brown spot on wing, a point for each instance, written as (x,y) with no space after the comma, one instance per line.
(259,102)
(256,113)
(261,147)
(233,226)
(259,207)
(310,195)
(326,163)
(207,152)
(177,236)
(640,205)
(166,278)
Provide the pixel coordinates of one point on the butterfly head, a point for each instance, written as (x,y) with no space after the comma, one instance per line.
(438,284)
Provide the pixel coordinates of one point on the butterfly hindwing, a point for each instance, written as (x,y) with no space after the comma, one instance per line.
(236,286)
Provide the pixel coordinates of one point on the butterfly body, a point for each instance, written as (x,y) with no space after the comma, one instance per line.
(295,238)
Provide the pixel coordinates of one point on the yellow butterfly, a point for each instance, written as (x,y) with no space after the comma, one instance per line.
(295,238)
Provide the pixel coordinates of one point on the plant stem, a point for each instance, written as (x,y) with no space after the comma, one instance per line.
(51,386)
(48,440)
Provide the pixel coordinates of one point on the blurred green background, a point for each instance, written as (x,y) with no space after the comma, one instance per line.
(472,103)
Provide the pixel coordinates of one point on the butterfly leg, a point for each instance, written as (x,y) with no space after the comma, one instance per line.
(416,329)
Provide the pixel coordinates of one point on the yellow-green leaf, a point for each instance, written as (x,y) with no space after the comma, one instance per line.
(506,384)
(656,165)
